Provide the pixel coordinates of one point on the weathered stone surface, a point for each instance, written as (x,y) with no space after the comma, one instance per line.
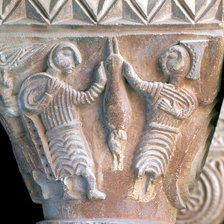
(111,105)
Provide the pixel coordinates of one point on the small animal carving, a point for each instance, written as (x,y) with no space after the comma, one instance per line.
(116,105)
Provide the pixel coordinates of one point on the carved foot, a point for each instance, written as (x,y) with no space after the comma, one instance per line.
(96,195)
(144,189)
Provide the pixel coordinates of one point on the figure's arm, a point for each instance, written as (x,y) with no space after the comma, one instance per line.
(89,96)
(133,79)
(137,83)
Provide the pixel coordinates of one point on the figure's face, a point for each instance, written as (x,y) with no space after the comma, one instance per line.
(175,61)
(64,60)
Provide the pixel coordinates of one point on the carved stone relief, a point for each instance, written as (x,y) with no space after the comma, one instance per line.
(45,95)
(112,123)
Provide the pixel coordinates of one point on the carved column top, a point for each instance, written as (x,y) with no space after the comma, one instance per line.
(110,104)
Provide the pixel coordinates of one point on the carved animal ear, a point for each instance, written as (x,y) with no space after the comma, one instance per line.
(196,50)
(113,46)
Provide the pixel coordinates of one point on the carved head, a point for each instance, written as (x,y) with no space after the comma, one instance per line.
(175,61)
(184,59)
(64,57)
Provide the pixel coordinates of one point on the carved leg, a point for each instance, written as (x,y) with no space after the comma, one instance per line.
(117,142)
(88,175)
(115,161)
(118,160)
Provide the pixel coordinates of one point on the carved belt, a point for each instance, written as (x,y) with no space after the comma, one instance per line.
(162,127)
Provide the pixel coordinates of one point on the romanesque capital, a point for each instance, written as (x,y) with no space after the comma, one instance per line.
(111,107)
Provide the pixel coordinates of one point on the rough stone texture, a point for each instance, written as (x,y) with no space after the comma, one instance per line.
(111,105)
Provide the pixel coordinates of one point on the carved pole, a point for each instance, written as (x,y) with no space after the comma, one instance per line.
(111,106)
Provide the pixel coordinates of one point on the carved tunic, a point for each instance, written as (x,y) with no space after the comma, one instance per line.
(66,140)
(162,122)
(60,111)
(158,139)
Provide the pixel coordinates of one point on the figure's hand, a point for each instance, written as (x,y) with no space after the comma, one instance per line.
(114,63)
(170,107)
(6,89)
(165,105)
(101,77)
(5,80)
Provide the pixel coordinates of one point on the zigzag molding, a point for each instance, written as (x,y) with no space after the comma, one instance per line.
(111,12)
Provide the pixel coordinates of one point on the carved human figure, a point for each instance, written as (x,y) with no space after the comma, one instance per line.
(55,102)
(167,106)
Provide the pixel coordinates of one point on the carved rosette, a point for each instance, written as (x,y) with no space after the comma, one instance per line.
(205,205)
(110,107)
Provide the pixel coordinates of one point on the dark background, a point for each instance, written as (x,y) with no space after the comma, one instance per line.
(17,206)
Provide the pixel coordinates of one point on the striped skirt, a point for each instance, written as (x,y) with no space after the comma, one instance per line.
(154,150)
(69,149)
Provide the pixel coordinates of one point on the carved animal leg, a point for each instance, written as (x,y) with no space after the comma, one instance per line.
(120,159)
(88,175)
(117,161)
(117,142)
